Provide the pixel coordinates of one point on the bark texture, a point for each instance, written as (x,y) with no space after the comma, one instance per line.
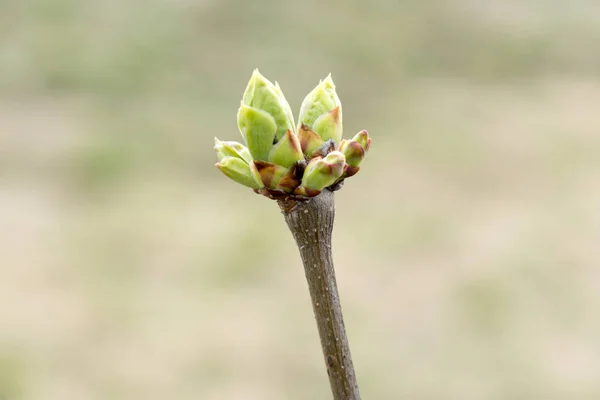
(311,223)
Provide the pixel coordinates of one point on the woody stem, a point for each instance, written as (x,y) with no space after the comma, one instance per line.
(311,224)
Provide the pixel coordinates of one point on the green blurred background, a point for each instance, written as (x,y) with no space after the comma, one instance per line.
(466,249)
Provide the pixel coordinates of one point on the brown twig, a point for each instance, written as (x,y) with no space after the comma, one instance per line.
(311,223)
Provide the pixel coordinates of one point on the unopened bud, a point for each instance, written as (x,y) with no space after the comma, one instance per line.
(264,95)
(323,172)
(363,138)
(309,140)
(238,170)
(287,151)
(329,125)
(258,129)
(267,173)
(232,149)
(353,151)
(318,111)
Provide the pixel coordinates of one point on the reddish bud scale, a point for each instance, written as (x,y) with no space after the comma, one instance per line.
(309,140)
(269,173)
(302,191)
(350,171)
(291,180)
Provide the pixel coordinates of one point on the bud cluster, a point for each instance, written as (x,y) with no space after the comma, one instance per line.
(285,160)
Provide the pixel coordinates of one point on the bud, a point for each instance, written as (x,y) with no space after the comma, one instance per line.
(232,149)
(261,94)
(309,140)
(363,138)
(267,173)
(321,111)
(238,170)
(291,180)
(258,129)
(353,151)
(287,151)
(323,172)
(329,125)
(277,162)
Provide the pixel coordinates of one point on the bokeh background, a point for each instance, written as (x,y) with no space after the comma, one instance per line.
(466,249)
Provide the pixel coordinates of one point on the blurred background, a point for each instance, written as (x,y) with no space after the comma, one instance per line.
(466,249)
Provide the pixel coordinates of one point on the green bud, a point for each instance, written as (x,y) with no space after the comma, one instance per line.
(287,151)
(263,95)
(238,170)
(353,151)
(329,125)
(258,129)
(323,172)
(267,173)
(280,164)
(232,149)
(322,100)
(363,138)
(309,140)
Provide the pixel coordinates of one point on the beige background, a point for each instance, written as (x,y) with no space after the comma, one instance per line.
(466,248)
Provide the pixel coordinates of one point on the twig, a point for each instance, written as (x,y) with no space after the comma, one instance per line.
(311,223)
